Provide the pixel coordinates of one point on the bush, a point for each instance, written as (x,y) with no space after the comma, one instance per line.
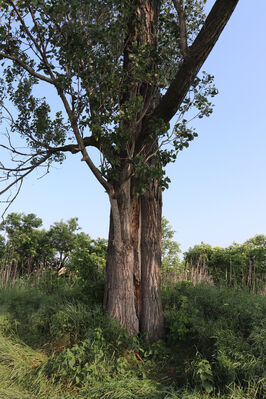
(219,333)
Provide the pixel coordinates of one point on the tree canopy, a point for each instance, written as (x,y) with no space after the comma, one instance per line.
(113,85)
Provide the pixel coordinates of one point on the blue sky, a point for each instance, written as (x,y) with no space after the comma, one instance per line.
(218,190)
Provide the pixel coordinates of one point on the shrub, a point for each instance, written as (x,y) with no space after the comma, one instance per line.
(224,330)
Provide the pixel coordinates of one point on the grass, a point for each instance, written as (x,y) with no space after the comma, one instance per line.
(56,345)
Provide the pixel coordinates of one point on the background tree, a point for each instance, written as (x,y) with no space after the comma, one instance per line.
(122,70)
(27,247)
(87,262)
(29,251)
(171,265)
(238,266)
(2,246)
(196,262)
(62,237)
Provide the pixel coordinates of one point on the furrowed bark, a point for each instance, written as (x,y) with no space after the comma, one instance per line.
(151,320)
(119,295)
(132,290)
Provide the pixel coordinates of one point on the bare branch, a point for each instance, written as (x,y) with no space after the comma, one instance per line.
(21,177)
(36,159)
(12,199)
(14,151)
(10,116)
(74,148)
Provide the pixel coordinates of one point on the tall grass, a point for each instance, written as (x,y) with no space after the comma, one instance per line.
(221,334)
(58,343)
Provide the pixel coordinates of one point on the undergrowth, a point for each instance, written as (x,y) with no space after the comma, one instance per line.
(59,344)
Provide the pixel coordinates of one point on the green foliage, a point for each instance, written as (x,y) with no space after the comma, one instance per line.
(171,264)
(83,363)
(18,379)
(170,248)
(26,246)
(239,265)
(87,263)
(62,238)
(202,372)
(30,252)
(88,257)
(214,347)
(29,311)
(179,322)
(215,337)
(215,330)
(88,54)
(2,246)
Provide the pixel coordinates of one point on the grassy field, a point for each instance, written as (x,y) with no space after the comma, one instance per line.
(56,342)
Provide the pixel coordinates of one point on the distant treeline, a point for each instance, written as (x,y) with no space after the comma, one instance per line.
(238,266)
(26,249)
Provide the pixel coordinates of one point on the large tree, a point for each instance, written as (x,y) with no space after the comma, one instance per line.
(121,70)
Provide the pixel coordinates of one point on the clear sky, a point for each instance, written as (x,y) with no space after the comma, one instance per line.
(218,189)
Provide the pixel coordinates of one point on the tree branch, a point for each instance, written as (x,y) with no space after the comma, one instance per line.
(182,25)
(81,144)
(25,26)
(82,147)
(26,166)
(199,51)
(74,148)
(26,67)
(19,178)
(9,202)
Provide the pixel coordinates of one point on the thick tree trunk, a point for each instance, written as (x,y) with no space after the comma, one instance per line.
(119,295)
(151,232)
(132,289)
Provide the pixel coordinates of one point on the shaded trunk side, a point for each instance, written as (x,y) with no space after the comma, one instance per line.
(135,230)
(151,320)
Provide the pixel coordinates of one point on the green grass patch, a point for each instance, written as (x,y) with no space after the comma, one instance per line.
(55,344)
